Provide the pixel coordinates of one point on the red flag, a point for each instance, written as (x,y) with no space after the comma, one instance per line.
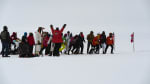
(132,37)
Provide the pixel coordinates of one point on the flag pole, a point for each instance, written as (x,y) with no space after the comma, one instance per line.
(114,40)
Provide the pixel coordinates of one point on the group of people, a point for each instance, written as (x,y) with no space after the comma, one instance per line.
(54,44)
(100,41)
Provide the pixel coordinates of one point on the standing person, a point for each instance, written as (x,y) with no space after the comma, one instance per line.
(67,38)
(44,43)
(5,39)
(90,38)
(38,41)
(96,43)
(109,42)
(57,39)
(81,40)
(31,43)
(103,41)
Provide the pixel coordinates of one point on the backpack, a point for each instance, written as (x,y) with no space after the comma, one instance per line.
(4,35)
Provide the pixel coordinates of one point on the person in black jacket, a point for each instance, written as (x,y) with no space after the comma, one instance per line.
(5,39)
(80,44)
(24,48)
(103,41)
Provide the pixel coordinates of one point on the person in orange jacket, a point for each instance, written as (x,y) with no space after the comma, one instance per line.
(109,42)
(96,42)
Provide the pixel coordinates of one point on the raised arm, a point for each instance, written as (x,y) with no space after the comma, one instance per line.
(62,29)
(52,29)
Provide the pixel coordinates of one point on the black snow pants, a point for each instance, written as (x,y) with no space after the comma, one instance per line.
(112,47)
(56,49)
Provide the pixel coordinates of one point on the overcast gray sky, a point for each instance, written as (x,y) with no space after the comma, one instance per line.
(84,14)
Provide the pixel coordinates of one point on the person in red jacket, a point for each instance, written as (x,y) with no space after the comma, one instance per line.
(13,38)
(31,42)
(57,39)
(96,42)
(110,42)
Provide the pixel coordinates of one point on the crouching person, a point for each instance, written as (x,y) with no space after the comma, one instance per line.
(24,48)
(109,42)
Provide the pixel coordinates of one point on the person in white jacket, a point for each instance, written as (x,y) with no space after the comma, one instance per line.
(68,36)
(38,38)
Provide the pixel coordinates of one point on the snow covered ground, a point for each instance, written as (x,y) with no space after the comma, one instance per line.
(120,68)
(120,16)
(123,67)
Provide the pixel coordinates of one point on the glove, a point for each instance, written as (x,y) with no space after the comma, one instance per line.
(64,25)
(51,25)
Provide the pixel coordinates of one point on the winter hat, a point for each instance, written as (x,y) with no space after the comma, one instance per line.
(25,34)
(5,28)
(30,34)
(91,32)
(103,32)
(68,32)
(57,28)
(110,34)
(40,29)
(13,33)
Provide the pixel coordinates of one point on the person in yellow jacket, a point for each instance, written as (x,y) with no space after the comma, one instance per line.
(90,38)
